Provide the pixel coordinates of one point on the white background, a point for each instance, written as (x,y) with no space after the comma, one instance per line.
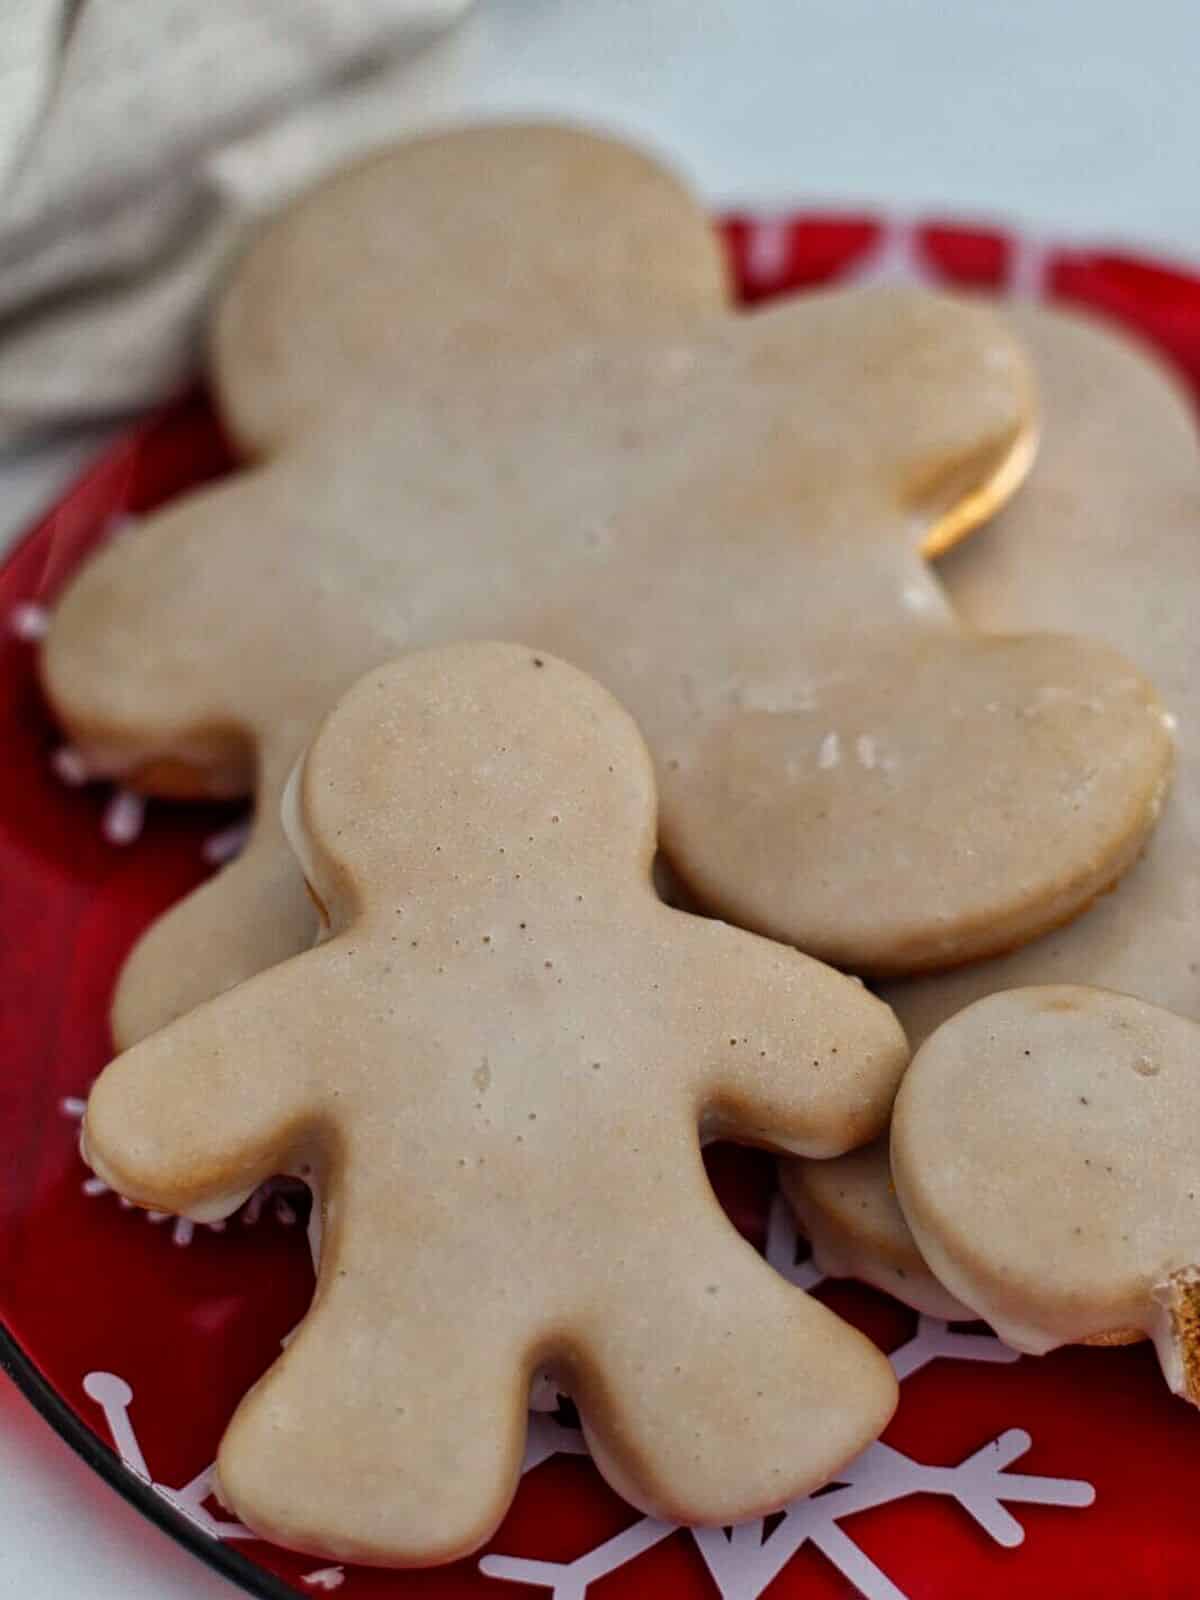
(1069,119)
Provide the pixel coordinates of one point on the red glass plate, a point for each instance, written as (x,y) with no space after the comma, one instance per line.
(1074,1476)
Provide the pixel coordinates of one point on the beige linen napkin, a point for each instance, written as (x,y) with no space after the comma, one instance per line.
(137,139)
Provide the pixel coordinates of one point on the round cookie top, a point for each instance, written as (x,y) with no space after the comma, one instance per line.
(1046,1152)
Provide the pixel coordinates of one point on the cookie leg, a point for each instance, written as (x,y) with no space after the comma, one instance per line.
(253,914)
(390,1431)
(711,1390)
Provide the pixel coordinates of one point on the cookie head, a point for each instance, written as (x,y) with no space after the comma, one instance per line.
(496,1069)
(1088,1097)
(485,245)
(466,773)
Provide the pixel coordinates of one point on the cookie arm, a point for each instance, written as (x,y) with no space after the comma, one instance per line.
(794,1056)
(195,1117)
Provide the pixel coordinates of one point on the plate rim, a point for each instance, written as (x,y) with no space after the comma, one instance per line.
(143,1496)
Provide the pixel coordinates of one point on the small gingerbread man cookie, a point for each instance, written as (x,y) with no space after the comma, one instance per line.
(498,1065)
(1046,1153)
(724,519)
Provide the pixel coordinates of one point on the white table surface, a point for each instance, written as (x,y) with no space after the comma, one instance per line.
(1069,120)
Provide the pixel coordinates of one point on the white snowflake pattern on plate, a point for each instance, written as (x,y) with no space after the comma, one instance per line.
(745,1559)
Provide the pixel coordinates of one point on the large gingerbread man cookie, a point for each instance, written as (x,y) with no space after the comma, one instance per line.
(497,1066)
(1106,536)
(725,519)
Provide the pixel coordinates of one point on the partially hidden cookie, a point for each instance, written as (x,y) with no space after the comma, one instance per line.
(497,1066)
(848,1211)
(726,522)
(1105,536)
(1106,539)
(1046,1152)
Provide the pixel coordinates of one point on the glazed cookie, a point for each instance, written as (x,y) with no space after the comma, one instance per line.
(728,527)
(1106,539)
(1106,536)
(498,1065)
(1046,1152)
